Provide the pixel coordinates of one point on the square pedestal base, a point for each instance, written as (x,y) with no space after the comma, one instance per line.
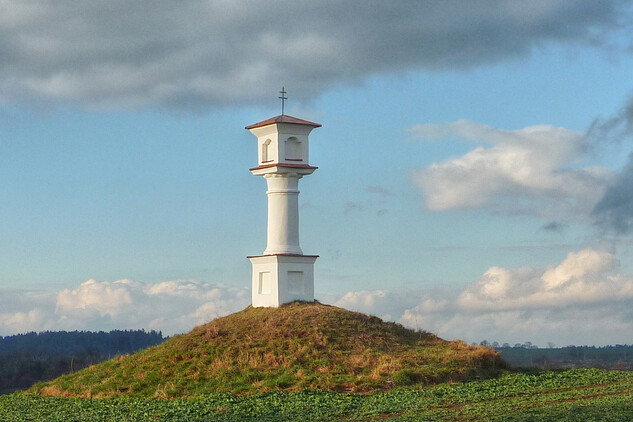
(279,279)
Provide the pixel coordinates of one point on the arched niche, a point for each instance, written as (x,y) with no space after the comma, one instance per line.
(266,152)
(292,149)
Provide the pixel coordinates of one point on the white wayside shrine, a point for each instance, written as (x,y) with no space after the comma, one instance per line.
(283,273)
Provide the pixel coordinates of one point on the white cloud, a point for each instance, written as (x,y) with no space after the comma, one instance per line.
(586,277)
(104,298)
(581,300)
(21,322)
(191,53)
(171,307)
(532,170)
(385,304)
(578,266)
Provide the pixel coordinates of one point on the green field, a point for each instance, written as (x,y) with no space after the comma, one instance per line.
(572,395)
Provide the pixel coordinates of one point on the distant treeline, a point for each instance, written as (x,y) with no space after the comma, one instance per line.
(619,356)
(28,358)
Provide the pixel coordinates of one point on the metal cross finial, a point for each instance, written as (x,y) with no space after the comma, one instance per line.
(283,99)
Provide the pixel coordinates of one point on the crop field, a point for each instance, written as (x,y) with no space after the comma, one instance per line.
(572,395)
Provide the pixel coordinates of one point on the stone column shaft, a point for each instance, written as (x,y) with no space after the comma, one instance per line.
(283,214)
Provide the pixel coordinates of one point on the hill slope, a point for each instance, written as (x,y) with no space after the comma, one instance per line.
(297,346)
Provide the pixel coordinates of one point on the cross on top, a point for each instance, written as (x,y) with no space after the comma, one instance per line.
(283,99)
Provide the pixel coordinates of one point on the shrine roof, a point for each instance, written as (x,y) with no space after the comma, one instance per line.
(283,119)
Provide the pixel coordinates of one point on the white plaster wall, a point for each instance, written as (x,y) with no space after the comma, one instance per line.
(304,264)
(278,133)
(264,264)
(279,266)
(303,151)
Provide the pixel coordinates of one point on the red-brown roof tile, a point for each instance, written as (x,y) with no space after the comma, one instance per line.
(283,119)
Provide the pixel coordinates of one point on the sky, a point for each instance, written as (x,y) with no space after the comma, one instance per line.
(475,162)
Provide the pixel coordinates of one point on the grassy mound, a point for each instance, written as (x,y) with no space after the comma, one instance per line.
(297,346)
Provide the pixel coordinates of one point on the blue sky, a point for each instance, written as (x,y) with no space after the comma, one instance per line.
(474,172)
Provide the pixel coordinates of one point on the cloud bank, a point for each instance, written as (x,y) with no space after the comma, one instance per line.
(195,54)
(531,171)
(171,307)
(581,300)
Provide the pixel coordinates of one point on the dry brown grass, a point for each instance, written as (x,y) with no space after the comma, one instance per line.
(296,346)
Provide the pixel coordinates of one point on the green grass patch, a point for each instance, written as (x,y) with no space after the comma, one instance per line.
(572,395)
